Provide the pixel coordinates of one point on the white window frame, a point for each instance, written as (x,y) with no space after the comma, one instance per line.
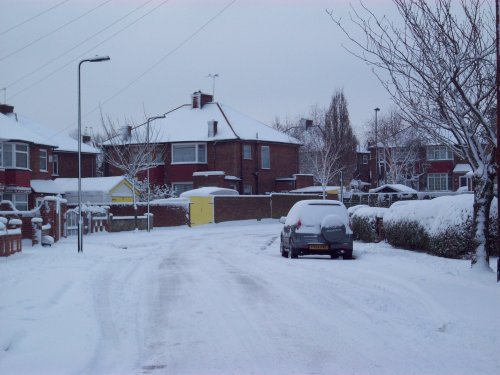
(17,201)
(441,152)
(199,157)
(365,159)
(46,158)
(435,179)
(55,165)
(262,151)
(247,152)
(463,181)
(13,155)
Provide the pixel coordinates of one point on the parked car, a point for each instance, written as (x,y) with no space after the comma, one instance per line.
(317,227)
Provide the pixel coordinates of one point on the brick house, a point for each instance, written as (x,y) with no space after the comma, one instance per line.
(207,143)
(30,152)
(437,169)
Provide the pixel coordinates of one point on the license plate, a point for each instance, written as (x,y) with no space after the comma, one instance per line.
(318,247)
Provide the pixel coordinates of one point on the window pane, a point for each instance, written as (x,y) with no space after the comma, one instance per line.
(202,153)
(7,155)
(21,202)
(184,154)
(21,160)
(247,152)
(265,157)
(55,164)
(43,160)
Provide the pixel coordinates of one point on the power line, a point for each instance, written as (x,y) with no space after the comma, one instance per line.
(167,55)
(32,18)
(57,70)
(22,78)
(163,58)
(54,31)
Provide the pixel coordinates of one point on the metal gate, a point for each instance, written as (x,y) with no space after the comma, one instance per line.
(71,224)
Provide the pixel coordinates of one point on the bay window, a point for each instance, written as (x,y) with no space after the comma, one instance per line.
(14,155)
(20,201)
(437,181)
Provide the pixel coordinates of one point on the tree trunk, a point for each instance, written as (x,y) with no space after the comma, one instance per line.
(483,196)
(136,224)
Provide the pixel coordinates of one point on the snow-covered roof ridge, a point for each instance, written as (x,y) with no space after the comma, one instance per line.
(187,124)
(400,188)
(15,127)
(103,184)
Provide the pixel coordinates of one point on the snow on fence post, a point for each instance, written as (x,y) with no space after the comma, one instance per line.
(36,237)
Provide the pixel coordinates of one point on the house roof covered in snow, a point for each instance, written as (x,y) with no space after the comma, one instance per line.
(188,124)
(12,130)
(396,188)
(41,134)
(462,168)
(46,187)
(101,184)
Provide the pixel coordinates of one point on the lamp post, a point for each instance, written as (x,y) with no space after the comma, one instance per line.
(149,166)
(376,145)
(80,223)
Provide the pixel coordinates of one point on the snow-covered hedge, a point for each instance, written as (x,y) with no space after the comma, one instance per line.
(364,222)
(441,226)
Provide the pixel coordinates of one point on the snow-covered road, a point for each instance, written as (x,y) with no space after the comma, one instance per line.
(219,299)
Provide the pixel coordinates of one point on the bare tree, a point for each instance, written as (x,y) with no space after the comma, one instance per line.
(131,150)
(439,68)
(329,144)
(399,146)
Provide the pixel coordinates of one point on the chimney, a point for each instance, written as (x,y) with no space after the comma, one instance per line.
(305,124)
(212,128)
(199,99)
(86,139)
(5,109)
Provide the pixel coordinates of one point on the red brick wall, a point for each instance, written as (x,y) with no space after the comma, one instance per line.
(163,216)
(68,165)
(241,208)
(18,177)
(281,203)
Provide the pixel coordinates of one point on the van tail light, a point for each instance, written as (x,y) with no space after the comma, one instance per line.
(298,225)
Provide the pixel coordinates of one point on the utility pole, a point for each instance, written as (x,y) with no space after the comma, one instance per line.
(497,18)
(376,146)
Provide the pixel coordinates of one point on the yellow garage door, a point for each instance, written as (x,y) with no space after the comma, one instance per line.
(201,210)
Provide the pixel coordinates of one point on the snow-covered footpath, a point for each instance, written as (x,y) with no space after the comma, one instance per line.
(219,299)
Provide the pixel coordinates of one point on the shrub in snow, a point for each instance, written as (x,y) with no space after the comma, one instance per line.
(364,222)
(406,234)
(441,226)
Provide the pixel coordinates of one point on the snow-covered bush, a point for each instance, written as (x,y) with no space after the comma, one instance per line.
(364,222)
(441,226)
(406,234)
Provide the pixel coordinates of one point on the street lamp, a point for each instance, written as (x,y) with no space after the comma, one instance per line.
(376,145)
(80,223)
(149,166)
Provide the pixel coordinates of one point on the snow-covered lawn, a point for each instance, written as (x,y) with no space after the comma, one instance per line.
(219,299)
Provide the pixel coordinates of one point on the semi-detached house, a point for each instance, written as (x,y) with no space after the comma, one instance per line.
(206,143)
(30,152)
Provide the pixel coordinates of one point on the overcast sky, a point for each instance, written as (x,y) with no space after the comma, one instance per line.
(274,58)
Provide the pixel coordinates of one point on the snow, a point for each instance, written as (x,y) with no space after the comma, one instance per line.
(46,186)
(98,184)
(462,168)
(438,214)
(220,299)
(315,189)
(208,191)
(398,188)
(16,127)
(185,124)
